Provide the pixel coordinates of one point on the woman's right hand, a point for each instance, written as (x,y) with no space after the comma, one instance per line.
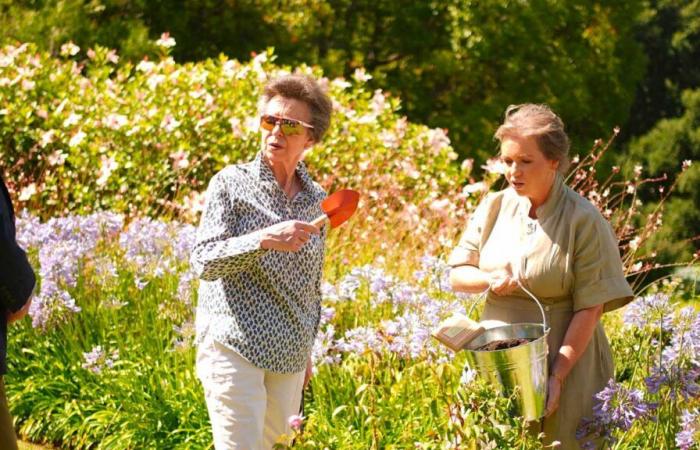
(287,236)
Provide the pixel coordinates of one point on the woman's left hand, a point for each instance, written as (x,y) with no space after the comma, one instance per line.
(503,282)
(309,371)
(553,394)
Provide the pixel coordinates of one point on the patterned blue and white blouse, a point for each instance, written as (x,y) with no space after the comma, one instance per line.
(263,304)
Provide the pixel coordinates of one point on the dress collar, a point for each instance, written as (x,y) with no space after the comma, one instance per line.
(556,194)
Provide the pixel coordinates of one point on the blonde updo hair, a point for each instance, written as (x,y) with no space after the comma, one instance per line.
(540,122)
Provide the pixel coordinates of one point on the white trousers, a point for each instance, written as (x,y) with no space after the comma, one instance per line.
(248,407)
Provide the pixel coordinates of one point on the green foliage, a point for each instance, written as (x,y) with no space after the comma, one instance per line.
(51,23)
(670,145)
(669,31)
(149,395)
(455,64)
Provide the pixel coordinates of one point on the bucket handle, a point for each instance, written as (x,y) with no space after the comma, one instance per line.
(539,305)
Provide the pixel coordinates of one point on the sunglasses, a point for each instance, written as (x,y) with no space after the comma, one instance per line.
(290,127)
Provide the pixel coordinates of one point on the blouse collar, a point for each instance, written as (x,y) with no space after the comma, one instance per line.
(266,175)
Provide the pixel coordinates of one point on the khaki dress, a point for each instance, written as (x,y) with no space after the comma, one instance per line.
(570,261)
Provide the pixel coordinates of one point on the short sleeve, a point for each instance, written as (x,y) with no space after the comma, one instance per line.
(597,266)
(466,253)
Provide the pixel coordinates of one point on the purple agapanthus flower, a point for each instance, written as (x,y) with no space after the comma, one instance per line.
(679,380)
(650,311)
(360,340)
(689,436)
(679,368)
(616,408)
(324,350)
(97,359)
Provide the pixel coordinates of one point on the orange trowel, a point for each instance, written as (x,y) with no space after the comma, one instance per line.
(337,208)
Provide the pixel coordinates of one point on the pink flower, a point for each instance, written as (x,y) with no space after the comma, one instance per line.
(361,75)
(438,140)
(295,421)
(180,160)
(112,57)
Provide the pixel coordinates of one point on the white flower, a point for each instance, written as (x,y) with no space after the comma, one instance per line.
(57,158)
(77,139)
(260,58)
(194,202)
(28,85)
(107,166)
(467,165)
(69,49)
(474,187)
(72,120)
(236,126)
(389,139)
(494,165)
(27,192)
(634,243)
(169,123)
(180,160)
(229,68)
(165,41)
(378,103)
(145,66)
(154,80)
(440,206)
(47,138)
(437,139)
(361,75)
(112,57)
(201,122)
(6,60)
(252,123)
(341,83)
(115,121)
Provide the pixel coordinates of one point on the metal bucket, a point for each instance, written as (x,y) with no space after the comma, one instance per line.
(520,370)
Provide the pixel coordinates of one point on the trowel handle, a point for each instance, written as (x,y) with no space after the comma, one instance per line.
(319,221)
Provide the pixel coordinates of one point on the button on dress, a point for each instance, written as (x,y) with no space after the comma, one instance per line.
(570,261)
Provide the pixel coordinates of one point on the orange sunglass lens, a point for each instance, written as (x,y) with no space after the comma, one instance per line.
(268,122)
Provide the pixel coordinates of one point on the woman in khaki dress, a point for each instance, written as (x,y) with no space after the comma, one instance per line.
(541,233)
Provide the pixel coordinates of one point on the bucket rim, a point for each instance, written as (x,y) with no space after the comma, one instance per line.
(532,342)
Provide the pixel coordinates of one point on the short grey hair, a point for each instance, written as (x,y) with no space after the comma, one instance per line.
(305,89)
(540,122)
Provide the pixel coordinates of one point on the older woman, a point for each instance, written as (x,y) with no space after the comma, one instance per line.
(260,263)
(557,244)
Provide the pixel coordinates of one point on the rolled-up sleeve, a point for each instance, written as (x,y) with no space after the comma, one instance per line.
(597,266)
(466,253)
(217,251)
